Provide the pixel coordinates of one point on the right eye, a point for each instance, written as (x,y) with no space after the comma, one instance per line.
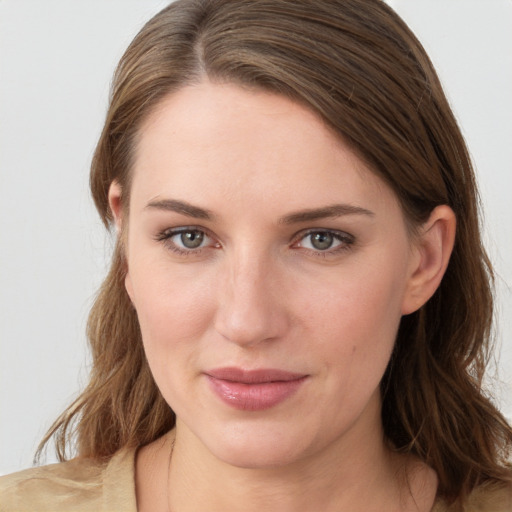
(189,239)
(186,240)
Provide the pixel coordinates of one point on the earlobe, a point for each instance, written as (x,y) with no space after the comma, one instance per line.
(433,249)
(114,201)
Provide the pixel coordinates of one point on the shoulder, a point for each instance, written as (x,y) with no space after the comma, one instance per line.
(78,484)
(54,487)
(489,497)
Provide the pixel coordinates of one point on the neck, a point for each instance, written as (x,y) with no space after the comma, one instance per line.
(306,485)
(357,472)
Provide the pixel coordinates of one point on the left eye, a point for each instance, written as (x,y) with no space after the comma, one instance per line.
(325,240)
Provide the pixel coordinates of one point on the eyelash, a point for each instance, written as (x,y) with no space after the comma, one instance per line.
(166,236)
(346,241)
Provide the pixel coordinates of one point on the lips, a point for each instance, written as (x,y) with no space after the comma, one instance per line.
(254,390)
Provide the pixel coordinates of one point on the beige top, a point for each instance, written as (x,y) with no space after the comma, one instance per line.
(81,485)
(73,486)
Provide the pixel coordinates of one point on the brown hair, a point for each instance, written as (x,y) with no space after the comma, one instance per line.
(358,66)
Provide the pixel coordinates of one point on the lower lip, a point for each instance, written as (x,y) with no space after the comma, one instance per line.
(254,397)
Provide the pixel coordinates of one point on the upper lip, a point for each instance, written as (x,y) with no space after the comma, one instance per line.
(257,376)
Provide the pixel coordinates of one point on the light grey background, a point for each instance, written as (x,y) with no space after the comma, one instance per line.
(56,61)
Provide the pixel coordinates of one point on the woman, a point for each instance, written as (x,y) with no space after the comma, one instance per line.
(288,322)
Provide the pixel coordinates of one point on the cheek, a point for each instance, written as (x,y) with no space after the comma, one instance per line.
(173,312)
(356,361)
(356,321)
(173,308)
(360,303)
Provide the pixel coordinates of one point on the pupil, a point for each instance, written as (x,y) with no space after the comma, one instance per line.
(322,241)
(192,239)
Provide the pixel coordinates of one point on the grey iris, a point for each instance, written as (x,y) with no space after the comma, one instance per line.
(322,240)
(192,239)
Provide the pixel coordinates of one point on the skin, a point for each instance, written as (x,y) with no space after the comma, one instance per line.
(258,293)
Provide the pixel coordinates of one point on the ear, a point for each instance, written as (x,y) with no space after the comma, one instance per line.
(114,202)
(432,249)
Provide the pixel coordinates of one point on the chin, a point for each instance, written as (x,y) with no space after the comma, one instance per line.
(257,448)
(259,457)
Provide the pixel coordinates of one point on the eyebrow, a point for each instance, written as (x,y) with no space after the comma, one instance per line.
(331,211)
(174,205)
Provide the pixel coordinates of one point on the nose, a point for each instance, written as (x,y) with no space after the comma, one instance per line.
(251,305)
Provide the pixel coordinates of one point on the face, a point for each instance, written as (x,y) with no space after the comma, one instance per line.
(269,268)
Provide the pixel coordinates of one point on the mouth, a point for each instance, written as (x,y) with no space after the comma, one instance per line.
(254,390)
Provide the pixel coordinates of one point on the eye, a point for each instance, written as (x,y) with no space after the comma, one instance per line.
(189,239)
(320,241)
(325,241)
(186,240)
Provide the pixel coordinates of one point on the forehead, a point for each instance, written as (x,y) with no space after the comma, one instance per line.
(223,142)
